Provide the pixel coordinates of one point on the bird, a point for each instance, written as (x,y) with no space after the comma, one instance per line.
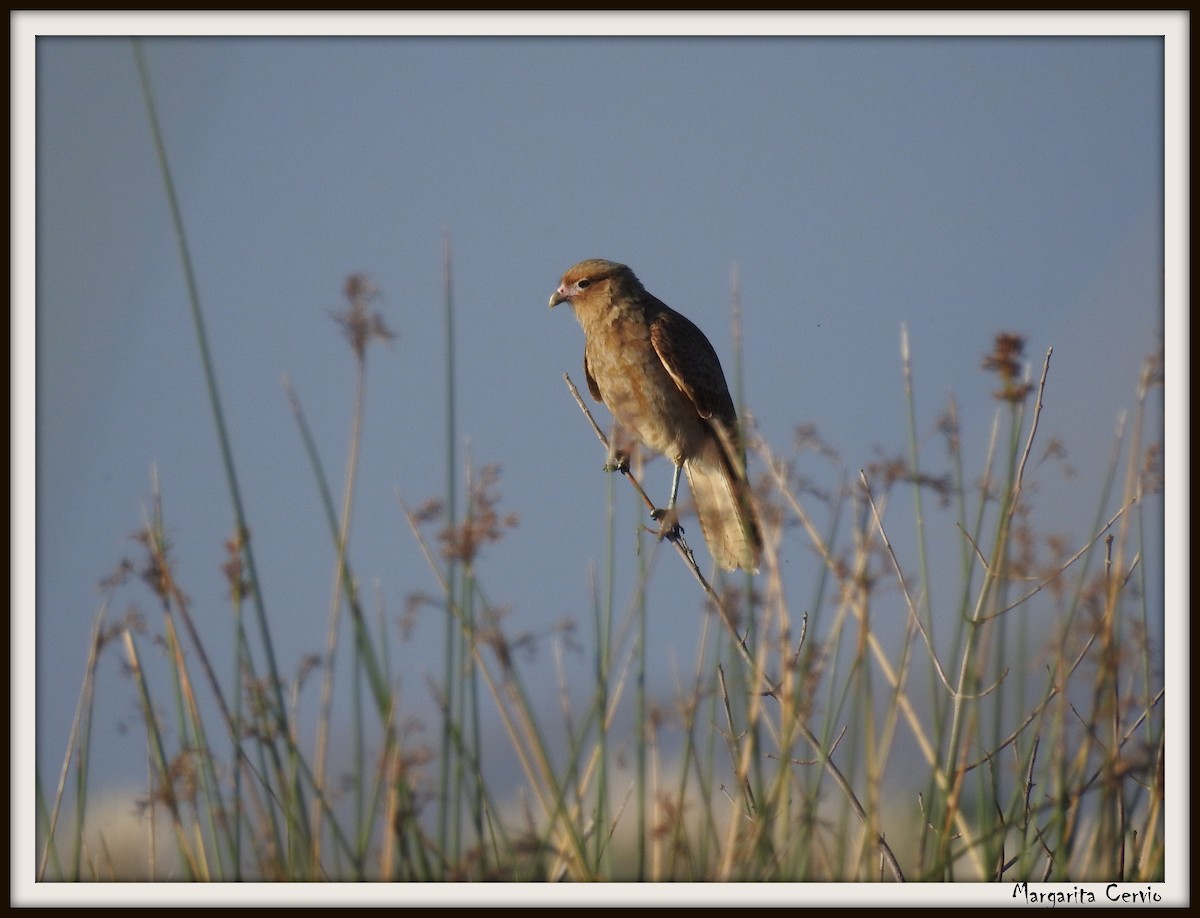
(662,381)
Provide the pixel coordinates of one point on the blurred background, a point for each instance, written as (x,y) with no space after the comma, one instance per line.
(959,187)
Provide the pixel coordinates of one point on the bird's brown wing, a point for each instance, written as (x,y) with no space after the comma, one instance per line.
(591,380)
(716,473)
(692,363)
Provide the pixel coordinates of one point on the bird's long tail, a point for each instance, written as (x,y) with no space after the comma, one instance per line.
(723,502)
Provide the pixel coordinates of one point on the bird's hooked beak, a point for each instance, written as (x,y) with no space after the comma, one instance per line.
(562,294)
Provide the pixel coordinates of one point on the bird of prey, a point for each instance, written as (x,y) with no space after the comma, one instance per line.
(662,381)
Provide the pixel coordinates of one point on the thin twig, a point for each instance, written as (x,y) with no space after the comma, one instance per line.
(1046,581)
(912,609)
(1037,413)
(1036,712)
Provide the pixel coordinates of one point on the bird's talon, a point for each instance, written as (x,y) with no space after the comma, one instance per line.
(668,523)
(616,464)
(671,533)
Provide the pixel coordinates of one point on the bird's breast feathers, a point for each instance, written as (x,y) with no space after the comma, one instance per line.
(642,396)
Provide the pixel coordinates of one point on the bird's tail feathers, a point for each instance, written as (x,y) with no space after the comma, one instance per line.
(725,506)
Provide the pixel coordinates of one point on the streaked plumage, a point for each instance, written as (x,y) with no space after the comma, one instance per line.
(661,379)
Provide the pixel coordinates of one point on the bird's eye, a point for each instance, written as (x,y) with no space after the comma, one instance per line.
(584,284)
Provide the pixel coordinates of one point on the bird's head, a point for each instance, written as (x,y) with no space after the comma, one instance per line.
(593,278)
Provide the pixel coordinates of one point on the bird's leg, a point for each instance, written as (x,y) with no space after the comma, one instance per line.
(668,517)
(674,487)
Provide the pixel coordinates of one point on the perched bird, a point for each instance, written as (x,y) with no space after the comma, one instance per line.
(662,381)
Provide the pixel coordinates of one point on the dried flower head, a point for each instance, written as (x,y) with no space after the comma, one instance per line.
(483,523)
(1005,361)
(360,325)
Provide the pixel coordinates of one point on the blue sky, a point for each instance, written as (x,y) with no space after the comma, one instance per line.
(958,186)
